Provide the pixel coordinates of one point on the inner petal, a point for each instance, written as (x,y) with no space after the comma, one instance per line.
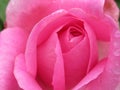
(75,33)
(70,36)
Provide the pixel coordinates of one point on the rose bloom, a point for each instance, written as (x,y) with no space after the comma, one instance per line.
(60,45)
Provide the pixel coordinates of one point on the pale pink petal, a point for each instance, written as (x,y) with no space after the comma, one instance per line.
(112,71)
(12,42)
(95,7)
(26,13)
(103,49)
(25,80)
(111,8)
(102,26)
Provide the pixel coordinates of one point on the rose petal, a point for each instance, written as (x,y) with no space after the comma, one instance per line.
(24,79)
(103,49)
(58,76)
(46,59)
(75,61)
(91,76)
(21,11)
(41,32)
(93,59)
(50,65)
(111,8)
(12,42)
(112,71)
(102,26)
(38,36)
(95,7)
(110,77)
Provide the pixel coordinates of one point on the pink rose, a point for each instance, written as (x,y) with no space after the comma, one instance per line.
(60,45)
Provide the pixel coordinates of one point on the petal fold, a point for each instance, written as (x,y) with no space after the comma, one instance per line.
(59,74)
(91,76)
(39,34)
(24,79)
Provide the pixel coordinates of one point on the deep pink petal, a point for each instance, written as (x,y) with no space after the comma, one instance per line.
(110,77)
(12,42)
(59,76)
(40,37)
(39,34)
(76,62)
(50,64)
(25,80)
(93,58)
(46,59)
(91,76)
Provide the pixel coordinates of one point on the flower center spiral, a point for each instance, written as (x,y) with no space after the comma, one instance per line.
(70,36)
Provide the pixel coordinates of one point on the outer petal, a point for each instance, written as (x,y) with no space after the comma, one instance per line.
(102,26)
(91,76)
(12,42)
(95,7)
(38,35)
(30,11)
(24,79)
(110,8)
(112,71)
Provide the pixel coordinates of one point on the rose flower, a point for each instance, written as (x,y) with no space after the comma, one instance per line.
(60,45)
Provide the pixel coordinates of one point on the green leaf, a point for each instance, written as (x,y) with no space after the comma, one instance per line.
(1,24)
(118,3)
(3,4)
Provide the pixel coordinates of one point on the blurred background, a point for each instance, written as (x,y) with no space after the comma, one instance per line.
(3,4)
